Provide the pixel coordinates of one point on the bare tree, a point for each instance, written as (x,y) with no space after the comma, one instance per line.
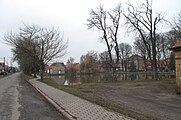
(141,49)
(89,62)
(71,60)
(108,23)
(82,63)
(52,46)
(46,44)
(142,20)
(98,20)
(125,52)
(104,60)
(163,45)
(176,26)
(115,16)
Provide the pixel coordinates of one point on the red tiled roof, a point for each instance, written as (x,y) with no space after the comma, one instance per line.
(56,63)
(177,44)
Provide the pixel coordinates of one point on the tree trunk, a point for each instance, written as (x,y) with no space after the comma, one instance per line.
(155,72)
(145,63)
(108,47)
(117,53)
(42,69)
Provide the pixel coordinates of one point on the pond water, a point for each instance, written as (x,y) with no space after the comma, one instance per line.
(102,78)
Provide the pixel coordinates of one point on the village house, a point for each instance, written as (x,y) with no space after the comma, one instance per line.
(177,49)
(4,69)
(138,62)
(57,68)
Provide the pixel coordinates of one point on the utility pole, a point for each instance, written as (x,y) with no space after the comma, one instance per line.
(4,65)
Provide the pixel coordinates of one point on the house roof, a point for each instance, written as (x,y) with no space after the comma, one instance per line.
(133,57)
(57,63)
(177,45)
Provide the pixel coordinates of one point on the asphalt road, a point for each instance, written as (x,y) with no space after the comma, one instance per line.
(19,101)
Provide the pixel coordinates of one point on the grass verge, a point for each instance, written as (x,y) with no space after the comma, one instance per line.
(97,100)
(26,77)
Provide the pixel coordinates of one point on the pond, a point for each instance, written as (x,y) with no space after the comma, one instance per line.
(102,78)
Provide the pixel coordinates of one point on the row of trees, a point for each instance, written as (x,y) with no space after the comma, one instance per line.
(93,62)
(34,46)
(143,21)
(164,41)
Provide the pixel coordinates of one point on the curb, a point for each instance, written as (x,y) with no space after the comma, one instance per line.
(53,103)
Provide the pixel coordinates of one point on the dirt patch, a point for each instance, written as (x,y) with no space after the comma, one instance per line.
(147,100)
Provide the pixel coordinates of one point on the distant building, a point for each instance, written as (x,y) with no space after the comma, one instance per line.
(4,69)
(57,68)
(138,61)
(177,49)
(1,68)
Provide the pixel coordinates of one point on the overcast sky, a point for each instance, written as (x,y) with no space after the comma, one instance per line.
(70,16)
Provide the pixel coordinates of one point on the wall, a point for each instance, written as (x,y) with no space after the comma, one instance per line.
(178,67)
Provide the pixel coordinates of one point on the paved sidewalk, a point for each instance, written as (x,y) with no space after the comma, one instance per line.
(74,107)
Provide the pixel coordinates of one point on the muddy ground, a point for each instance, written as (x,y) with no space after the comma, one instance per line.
(151,99)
